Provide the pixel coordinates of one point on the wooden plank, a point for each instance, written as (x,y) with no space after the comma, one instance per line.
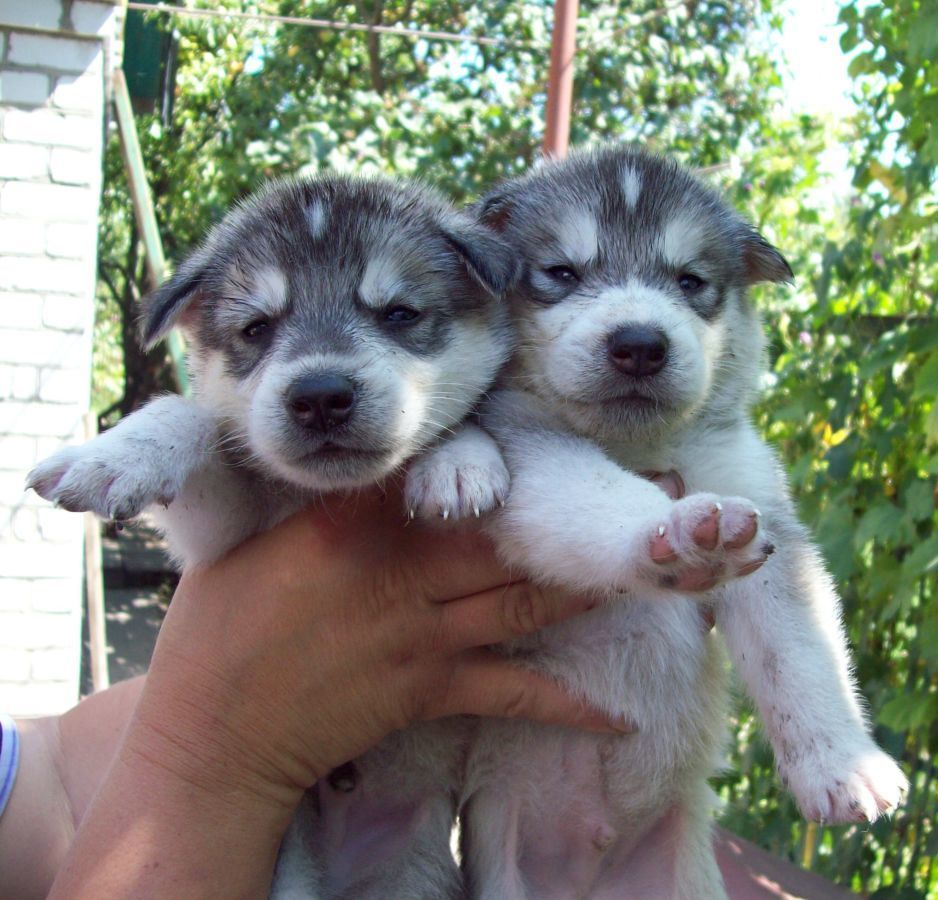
(145,213)
(94,586)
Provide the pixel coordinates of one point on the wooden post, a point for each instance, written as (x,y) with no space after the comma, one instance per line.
(94,587)
(144,212)
(560,81)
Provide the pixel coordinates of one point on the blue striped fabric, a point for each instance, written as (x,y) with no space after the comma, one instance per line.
(9,758)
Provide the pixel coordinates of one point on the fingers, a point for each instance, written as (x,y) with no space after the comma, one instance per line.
(670,482)
(454,562)
(486,685)
(507,611)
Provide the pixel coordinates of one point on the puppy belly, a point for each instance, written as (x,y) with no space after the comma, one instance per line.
(380,826)
(574,805)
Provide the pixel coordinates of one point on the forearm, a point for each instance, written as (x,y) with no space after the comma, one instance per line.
(37,826)
(63,760)
(150,833)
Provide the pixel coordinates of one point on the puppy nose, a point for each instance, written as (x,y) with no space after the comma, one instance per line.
(320,402)
(638,350)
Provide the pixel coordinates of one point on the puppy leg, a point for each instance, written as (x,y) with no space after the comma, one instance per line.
(783,629)
(462,476)
(576,518)
(490,846)
(144,460)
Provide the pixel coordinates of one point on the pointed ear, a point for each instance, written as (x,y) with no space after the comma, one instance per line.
(763,262)
(494,210)
(489,258)
(167,306)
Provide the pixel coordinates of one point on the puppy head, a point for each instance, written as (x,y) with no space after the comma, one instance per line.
(631,302)
(339,325)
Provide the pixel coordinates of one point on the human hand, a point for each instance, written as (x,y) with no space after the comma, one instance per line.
(311,642)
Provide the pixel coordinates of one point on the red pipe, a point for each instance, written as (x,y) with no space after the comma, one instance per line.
(560,80)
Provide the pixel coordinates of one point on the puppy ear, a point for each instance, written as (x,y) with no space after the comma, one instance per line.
(167,306)
(763,262)
(494,210)
(488,257)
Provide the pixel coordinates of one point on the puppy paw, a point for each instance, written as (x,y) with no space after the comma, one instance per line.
(113,481)
(439,486)
(706,539)
(837,789)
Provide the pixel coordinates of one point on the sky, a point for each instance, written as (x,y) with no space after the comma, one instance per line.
(817,81)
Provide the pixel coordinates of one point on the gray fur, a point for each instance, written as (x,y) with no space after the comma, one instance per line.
(306,280)
(552,813)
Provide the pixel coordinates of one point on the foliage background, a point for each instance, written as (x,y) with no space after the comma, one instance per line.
(853,349)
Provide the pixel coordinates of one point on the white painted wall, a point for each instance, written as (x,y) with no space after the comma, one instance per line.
(55,62)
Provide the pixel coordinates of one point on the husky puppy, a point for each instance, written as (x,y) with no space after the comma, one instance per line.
(336,327)
(639,352)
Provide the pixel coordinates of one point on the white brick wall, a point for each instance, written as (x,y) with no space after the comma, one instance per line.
(53,59)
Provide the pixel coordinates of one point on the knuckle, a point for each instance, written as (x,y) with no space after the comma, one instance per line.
(518,702)
(523,608)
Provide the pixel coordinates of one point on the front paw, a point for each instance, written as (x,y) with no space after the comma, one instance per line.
(840,788)
(705,540)
(114,483)
(441,486)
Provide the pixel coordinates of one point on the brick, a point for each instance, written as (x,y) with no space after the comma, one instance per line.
(53,52)
(22,238)
(59,202)
(20,310)
(48,126)
(25,525)
(34,14)
(76,241)
(59,525)
(50,560)
(61,385)
(14,665)
(59,664)
(18,452)
(79,92)
(44,348)
(37,420)
(27,88)
(23,273)
(42,699)
(69,166)
(66,313)
(18,383)
(23,161)
(14,595)
(12,490)
(92,18)
(57,594)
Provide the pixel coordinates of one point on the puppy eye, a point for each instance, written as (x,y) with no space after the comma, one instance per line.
(690,283)
(563,274)
(255,329)
(401,315)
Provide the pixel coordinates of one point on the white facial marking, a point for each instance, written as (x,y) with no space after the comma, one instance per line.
(576,235)
(271,288)
(381,280)
(680,241)
(316,216)
(631,186)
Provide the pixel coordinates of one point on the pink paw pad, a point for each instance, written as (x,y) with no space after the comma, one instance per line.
(706,540)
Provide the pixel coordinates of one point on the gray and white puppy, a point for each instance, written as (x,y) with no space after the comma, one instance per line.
(336,328)
(639,352)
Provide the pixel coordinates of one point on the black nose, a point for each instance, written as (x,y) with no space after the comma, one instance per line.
(638,350)
(320,402)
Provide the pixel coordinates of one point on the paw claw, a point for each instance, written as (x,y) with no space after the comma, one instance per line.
(709,540)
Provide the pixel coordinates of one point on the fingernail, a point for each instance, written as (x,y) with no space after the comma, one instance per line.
(623,725)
